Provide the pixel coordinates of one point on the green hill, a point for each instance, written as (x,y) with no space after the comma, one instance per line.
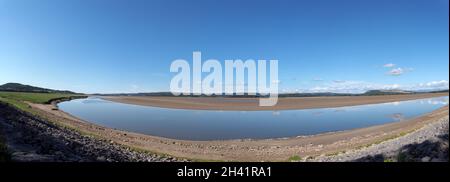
(17,87)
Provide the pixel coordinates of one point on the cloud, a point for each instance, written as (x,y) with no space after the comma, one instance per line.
(433,85)
(317,79)
(340,86)
(362,86)
(396,72)
(399,71)
(339,81)
(389,65)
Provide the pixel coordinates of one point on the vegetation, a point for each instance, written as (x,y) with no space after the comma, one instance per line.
(15,94)
(295,158)
(39,98)
(17,99)
(17,87)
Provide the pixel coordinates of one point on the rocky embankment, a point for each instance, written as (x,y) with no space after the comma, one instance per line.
(428,144)
(29,138)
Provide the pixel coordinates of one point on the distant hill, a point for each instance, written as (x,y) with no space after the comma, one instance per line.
(17,87)
(387,92)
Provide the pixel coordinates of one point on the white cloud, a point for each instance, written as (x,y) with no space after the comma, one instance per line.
(399,71)
(341,86)
(396,72)
(339,81)
(389,65)
(433,85)
(317,79)
(361,87)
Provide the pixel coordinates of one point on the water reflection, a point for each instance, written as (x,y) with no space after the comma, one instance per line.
(276,113)
(397,116)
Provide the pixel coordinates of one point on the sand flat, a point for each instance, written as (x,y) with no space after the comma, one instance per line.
(251,104)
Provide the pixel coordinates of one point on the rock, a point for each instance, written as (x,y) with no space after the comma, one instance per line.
(32,139)
(438,160)
(101,159)
(426,159)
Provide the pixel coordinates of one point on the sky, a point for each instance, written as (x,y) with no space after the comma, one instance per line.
(113,46)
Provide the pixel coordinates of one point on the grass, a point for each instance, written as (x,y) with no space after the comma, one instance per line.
(335,153)
(38,98)
(295,158)
(17,99)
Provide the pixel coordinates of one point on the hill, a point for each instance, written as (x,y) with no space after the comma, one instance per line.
(387,92)
(17,87)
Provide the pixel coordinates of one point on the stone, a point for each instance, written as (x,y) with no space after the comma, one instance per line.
(426,159)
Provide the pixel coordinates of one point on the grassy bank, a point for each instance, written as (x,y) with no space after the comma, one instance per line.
(18,99)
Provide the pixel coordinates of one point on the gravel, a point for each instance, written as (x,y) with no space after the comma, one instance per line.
(29,138)
(428,144)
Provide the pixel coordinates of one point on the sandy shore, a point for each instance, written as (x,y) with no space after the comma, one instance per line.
(427,144)
(249,104)
(253,150)
(31,139)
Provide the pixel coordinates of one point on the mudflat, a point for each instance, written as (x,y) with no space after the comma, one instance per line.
(251,104)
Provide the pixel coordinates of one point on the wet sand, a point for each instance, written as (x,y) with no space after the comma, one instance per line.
(251,104)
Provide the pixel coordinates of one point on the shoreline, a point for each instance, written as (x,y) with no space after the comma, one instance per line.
(30,138)
(427,144)
(280,149)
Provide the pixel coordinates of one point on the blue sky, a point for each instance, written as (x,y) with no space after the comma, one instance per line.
(112,46)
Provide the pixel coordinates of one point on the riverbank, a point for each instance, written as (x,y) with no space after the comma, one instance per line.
(428,144)
(249,150)
(251,104)
(28,138)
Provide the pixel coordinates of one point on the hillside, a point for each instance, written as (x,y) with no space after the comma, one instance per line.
(17,87)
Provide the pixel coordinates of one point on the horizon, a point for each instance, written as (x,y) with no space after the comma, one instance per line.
(322,46)
(242,93)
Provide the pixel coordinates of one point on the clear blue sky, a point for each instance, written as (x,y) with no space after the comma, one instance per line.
(322,45)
